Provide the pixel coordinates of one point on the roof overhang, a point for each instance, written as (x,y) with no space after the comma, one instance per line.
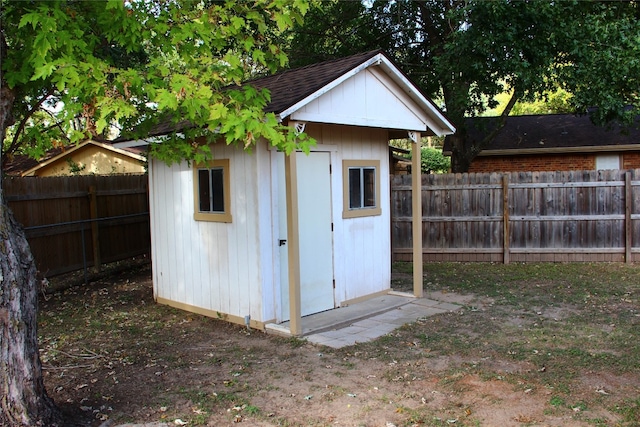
(141,142)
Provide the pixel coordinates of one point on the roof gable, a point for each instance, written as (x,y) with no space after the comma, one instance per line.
(369,99)
(371,83)
(26,166)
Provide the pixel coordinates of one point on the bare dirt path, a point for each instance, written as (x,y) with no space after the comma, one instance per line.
(112,356)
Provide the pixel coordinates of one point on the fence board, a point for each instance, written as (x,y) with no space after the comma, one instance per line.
(62,232)
(547,216)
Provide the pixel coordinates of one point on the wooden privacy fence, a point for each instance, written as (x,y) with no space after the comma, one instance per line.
(76,222)
(521,217)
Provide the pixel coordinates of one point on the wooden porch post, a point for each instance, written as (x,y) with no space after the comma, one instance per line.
(293,243)
(416,212)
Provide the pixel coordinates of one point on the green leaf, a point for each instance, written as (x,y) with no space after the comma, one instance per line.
(43,71)
(32,18)
(166,100)
(217,111)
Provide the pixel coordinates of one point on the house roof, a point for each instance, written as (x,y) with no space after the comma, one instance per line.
(22,165)
(551,133)
(293,89)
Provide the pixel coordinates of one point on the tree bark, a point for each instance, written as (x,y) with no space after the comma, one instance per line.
(460,161)
(463,150)
(24,399)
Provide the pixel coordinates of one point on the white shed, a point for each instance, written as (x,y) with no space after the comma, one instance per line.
(262,238)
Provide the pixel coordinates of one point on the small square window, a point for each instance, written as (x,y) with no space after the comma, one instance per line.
(211,191)
(361,188)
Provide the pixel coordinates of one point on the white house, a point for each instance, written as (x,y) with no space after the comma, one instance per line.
(261,238)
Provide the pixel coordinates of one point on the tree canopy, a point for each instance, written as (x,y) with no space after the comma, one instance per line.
(75,69)
(464,53)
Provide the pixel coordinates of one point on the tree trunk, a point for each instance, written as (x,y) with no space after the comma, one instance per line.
(460,152)
(24,400)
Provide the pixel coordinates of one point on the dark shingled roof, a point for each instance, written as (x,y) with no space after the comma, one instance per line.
(292,86)
(552,132)
(15,165)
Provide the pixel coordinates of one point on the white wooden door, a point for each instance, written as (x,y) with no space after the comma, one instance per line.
(315,239)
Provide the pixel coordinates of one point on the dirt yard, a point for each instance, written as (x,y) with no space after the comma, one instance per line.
(112,356)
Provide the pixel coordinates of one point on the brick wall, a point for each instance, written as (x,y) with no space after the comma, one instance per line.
(631,161)
(532,163)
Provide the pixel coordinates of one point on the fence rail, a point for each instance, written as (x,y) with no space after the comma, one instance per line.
(521,216)
(81,221)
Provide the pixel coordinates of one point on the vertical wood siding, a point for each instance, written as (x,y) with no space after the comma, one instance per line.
(551,216)
(368,99)
(211,265)
(233,268)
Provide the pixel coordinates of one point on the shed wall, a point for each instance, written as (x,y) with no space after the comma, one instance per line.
(233,268)
(212,266)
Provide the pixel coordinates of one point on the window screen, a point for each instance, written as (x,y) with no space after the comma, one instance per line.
(211,190)
(362,187)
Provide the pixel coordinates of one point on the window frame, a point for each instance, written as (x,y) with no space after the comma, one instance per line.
(348,212)
(225,215)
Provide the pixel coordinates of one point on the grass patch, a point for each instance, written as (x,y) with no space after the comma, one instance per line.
(565,335)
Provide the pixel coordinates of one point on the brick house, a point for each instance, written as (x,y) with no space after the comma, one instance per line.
(552,143)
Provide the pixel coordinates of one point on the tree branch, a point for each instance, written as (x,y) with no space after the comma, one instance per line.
(23,123)
(430,26)
(502,120)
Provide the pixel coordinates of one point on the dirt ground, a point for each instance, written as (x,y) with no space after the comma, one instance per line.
(112,356)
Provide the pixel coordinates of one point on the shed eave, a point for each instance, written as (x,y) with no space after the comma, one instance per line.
(142,142)
(445,126)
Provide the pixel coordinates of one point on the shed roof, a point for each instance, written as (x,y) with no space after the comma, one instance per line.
(292,89)
(292,86)
(550,133)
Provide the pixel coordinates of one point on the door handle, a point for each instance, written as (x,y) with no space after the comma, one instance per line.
(282,242)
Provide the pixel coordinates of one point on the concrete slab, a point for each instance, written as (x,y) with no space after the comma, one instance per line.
(365,321)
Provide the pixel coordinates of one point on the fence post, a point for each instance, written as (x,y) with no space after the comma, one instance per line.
(628,197)
(505,218)
(93,208)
